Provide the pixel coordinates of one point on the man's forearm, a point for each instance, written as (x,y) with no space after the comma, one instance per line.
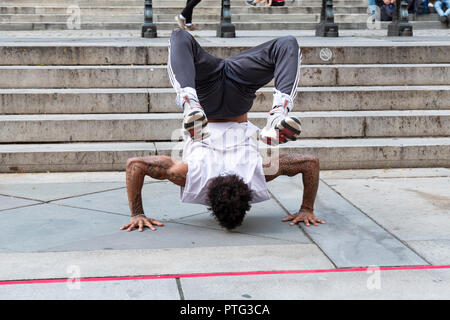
(310,178)
(137,168)
(157,167)
(135,181)
(308,166)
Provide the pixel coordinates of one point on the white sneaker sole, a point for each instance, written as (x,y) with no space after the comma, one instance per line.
(288,129)
(194,123)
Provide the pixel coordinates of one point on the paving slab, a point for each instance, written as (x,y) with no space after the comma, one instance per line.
(171,235)
(161,289)
(54,191)
(263,219)
(7,202)
(401,285)
(66,177)
(410,208)
(39,227)
(328,175)
(435,251)
(349,238)
(110,263)
(160,200)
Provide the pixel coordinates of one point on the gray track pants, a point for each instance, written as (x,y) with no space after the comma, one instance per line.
(226,87)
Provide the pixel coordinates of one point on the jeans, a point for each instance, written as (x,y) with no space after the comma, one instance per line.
(438,6)
(187,11)
(372,6)
(277,4)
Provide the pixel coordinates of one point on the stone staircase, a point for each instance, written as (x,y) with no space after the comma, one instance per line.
(90,106)
(128,14)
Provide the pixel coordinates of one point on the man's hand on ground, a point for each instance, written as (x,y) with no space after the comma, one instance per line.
(141,221)
(304,215)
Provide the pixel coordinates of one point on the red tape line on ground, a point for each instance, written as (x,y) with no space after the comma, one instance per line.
(224,274)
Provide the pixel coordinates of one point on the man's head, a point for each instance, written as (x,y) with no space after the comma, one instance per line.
(229,199)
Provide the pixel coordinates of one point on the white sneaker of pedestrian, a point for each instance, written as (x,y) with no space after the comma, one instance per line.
(181,21)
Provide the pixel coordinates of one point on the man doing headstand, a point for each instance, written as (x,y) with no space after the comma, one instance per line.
(221,166)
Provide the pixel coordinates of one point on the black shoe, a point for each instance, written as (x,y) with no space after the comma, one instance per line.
(443,19)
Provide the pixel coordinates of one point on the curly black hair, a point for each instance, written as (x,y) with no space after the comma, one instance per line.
(229,199)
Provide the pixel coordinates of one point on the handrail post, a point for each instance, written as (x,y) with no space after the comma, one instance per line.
(326,27)
(226,29)
(149,28)
(400,26)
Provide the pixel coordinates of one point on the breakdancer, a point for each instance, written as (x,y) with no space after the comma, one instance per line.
(221,166)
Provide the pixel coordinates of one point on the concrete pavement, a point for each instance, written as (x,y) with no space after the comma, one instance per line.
(66,226)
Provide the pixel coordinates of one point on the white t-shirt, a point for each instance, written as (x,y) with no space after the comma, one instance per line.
(232,148)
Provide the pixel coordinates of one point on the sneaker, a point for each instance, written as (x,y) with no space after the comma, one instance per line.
(250,2)
(191,27)
(280,128)
(194,120)
(443,19)
(181,21)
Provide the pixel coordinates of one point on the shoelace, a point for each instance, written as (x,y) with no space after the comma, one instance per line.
(190,104)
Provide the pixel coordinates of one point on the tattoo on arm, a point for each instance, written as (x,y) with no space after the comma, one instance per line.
(292,164)
(160,168)
(135,181)
(137,206)
(157,167)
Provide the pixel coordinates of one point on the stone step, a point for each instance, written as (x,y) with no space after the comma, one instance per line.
(165,126)
(12,26)
(372,153)
(157,77)
(369,153)
(425,17)
(309,8)
(158,3)
(147,52)
(99,10)
(94,101)
(200,10)
(137,18)
(279,25)
(264,18)
(63,18)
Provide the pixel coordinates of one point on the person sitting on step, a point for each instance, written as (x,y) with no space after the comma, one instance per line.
(442,8)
